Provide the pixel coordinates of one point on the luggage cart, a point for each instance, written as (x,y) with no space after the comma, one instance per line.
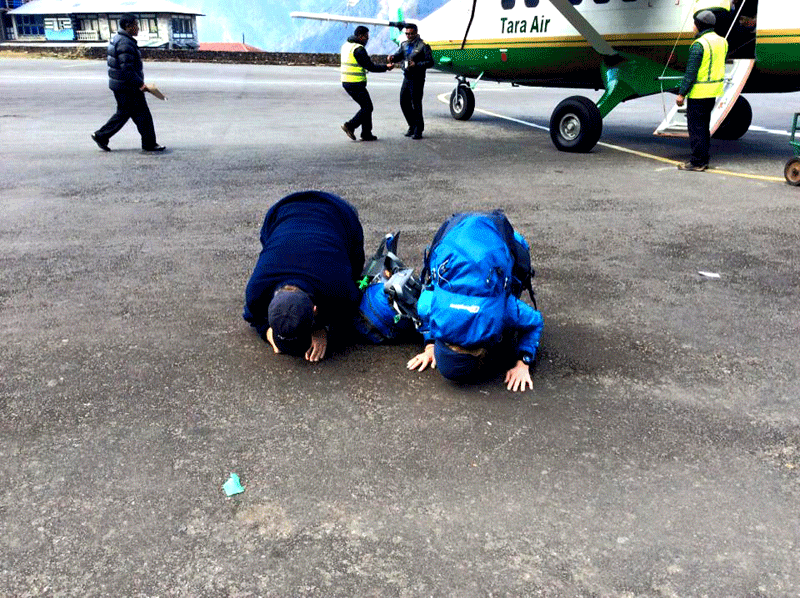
(792,170)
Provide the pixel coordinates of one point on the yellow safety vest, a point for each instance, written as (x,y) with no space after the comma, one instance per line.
(709,4)
(351,71)
(711,76)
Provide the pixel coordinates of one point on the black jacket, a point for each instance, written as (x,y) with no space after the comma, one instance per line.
(125,71)
(363,59)
(420,53)
(313,240)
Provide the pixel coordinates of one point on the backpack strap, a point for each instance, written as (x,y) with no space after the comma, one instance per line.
(522,269)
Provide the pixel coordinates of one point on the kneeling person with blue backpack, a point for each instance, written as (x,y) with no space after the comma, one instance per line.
(472,319)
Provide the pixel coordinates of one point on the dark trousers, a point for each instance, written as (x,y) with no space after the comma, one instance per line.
(363,118)
(411,103)
(130,104)
(698,118)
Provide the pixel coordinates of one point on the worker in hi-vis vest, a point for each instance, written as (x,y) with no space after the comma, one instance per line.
(355,64)
(702,84)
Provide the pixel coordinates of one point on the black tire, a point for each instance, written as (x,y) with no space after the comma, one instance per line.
(576,125)
(737,122)
(462,103)
(792,172)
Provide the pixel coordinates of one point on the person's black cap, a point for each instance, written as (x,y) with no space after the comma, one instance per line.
(291,317)
(455,365)
(705,19)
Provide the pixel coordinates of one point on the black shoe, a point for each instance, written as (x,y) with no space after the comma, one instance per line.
(103,145)
(410,132)
(416,136)
(155,148)
(348,131)
(369,138)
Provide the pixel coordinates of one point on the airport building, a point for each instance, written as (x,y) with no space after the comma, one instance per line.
(162,24)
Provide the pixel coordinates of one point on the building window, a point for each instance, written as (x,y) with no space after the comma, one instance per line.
(150,25)
(30,25)
(182,28)
(86,24)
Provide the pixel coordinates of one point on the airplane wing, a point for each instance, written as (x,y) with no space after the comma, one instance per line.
(323,16)
(589,33)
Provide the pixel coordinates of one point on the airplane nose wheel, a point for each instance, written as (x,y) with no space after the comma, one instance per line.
(462,102)
(576,125)
(792,172)
(569,128)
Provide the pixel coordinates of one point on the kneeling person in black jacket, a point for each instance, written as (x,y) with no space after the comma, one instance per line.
(304,285)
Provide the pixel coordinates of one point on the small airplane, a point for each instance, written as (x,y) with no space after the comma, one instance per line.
(629,48)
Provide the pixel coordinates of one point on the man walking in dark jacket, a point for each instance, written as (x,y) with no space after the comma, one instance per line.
(355,64)
(126,80)
(416,58)
(304,283)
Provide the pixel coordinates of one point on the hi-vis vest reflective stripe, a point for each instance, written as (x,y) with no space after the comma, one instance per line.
(711,76)
(708,4)
(351,72)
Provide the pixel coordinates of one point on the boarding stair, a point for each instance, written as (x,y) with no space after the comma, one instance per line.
(737,71)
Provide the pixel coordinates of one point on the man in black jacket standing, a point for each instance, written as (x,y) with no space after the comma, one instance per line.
(354,66)
(126,80)
(416,58)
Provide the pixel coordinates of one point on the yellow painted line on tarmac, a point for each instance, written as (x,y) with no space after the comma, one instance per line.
(445,98)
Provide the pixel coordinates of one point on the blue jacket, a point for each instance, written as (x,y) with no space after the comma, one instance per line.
(125,71)
(313,240)
(519,318)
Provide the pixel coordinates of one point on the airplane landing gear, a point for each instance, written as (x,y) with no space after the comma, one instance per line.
(737,122)
(576,125)
(462,102)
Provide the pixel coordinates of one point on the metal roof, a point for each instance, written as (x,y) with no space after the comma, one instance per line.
(71,7)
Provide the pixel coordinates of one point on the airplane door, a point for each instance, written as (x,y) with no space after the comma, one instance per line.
(742,38)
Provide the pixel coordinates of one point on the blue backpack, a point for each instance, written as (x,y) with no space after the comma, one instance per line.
(387,312)
(476,261)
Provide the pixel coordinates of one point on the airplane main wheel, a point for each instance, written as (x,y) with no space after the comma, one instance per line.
(792,172)
(576,125)
(462,103)
(737,122)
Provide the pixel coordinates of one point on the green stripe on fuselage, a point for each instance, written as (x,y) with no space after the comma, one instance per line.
(575,64)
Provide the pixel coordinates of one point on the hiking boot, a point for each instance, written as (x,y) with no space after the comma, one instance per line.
(369,137)
(693,167)
(103,145)
(348,131)
(410,132)
(416,136)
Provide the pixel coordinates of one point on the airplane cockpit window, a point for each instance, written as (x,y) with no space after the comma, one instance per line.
(576,2)
(531,3)
(507,4)
(601,1)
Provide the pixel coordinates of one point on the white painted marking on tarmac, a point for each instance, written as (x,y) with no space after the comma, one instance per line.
(770,131)
(445,98)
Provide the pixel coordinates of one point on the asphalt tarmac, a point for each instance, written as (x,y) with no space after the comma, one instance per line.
(657,455)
